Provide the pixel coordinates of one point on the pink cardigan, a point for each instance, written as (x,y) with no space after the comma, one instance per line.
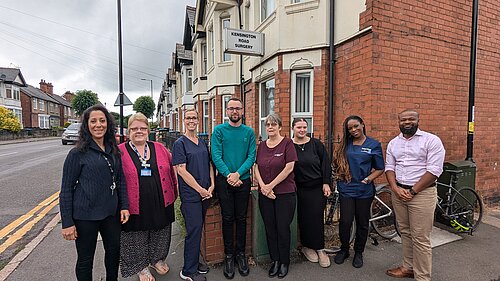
(167,176)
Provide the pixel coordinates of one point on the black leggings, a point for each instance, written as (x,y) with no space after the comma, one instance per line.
(86,244)
(351,208)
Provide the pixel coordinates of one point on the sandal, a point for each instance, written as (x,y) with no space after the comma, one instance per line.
(161,267)
(145,275)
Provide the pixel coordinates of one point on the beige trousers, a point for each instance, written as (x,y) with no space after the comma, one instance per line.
(415,219)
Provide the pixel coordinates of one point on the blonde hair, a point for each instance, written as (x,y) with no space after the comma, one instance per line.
(138,117)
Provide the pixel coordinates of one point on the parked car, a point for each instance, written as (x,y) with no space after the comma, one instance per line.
(71,133)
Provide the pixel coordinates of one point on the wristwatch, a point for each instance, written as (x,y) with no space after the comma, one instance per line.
(413,192)
(367,180)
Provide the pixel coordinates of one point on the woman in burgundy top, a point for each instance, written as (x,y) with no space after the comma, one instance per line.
(274,171)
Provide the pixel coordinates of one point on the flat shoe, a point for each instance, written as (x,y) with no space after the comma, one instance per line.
(400,272)
(310,254)
(324,259)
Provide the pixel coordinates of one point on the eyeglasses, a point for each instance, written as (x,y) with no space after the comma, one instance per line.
(141,129)
(271,124)
(234,108)
(191,118)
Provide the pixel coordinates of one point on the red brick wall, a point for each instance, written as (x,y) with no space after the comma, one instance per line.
(26,112)
(417,56)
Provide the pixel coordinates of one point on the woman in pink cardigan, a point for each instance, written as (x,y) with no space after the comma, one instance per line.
(152,190)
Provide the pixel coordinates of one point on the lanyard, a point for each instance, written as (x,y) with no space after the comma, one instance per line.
(143,160)
(113,186)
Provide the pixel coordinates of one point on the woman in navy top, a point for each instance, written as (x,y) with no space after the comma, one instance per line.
(357,162)
(196,185)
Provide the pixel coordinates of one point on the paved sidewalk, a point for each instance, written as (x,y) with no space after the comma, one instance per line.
(471,258)
(4,142)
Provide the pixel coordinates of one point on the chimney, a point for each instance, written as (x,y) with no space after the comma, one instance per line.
(43,86)
(50,89)
(68,96)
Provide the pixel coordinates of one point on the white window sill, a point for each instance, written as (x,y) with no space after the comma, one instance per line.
(301,7)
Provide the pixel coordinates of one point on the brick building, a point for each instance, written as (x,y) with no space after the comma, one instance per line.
(388,56)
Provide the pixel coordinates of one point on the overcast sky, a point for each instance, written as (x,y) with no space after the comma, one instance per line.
(73,44)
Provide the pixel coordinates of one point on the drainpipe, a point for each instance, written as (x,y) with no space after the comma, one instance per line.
(242,90)
(331,79)
(472,81)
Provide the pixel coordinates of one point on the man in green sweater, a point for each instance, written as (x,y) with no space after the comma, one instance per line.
(233,153)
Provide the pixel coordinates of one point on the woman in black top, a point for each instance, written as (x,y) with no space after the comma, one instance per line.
(312,176)
(93,197)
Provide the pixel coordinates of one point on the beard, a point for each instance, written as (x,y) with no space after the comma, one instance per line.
(410,131)
(235,119)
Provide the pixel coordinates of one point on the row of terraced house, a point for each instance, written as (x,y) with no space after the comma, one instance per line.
(387,56)
(380,56)
(34,107)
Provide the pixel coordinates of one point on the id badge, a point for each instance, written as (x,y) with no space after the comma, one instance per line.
(145,172)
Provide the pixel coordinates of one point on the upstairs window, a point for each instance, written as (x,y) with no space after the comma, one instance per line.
(226,23)
(266,8)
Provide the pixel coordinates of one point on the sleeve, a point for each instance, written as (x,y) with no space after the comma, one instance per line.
(326,165)
(179,153)
(71,173)
(252,151)
(390,160)
(378,158)
(290,152)
(216,141)
(122,185)
(435,156)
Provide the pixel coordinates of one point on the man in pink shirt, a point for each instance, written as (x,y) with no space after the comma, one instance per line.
(414,161)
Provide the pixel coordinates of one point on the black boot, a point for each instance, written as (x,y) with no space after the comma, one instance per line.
(341,256)
(229,267)
(357,261)
(283,271)
(275,267)
(241,260)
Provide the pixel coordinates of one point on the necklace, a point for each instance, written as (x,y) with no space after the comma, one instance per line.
(302,146)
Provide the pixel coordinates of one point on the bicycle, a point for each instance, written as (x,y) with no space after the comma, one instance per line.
(462,207)
(382,216)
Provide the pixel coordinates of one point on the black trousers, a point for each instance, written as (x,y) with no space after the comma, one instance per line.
(351,208)
(277,215)
(310,215)
(86,242)
(194,217)
(234,204)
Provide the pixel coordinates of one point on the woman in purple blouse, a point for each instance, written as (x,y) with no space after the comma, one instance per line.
(276,157)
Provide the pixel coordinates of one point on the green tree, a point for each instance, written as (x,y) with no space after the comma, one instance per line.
(8,121)
(117,119)
(83,100)
(145,105)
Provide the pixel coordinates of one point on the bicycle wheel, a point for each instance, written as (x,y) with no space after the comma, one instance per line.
(466,210)
(332,221)
(382,214)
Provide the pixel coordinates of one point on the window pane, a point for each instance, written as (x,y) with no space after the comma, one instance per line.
(267,98)
(266,8)
(225,24)
(302,92)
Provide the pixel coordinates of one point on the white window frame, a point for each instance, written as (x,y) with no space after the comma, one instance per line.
(206,115)
(18,113)
(16,94)
(8,91)
(204,59)
(189,80)
(225,23)
(269,10)
(42,105)
(213,113)
(308,115)
(262,116)
(44,121)
(35,103)
(224,101)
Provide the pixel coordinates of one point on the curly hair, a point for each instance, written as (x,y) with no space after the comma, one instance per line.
(340,163)
(86,136)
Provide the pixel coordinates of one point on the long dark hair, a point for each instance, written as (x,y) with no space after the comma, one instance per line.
(341,165)
(86,137)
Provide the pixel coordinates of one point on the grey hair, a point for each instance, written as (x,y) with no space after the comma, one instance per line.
(273,118)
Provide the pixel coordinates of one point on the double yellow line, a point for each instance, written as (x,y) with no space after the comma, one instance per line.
(45,206)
